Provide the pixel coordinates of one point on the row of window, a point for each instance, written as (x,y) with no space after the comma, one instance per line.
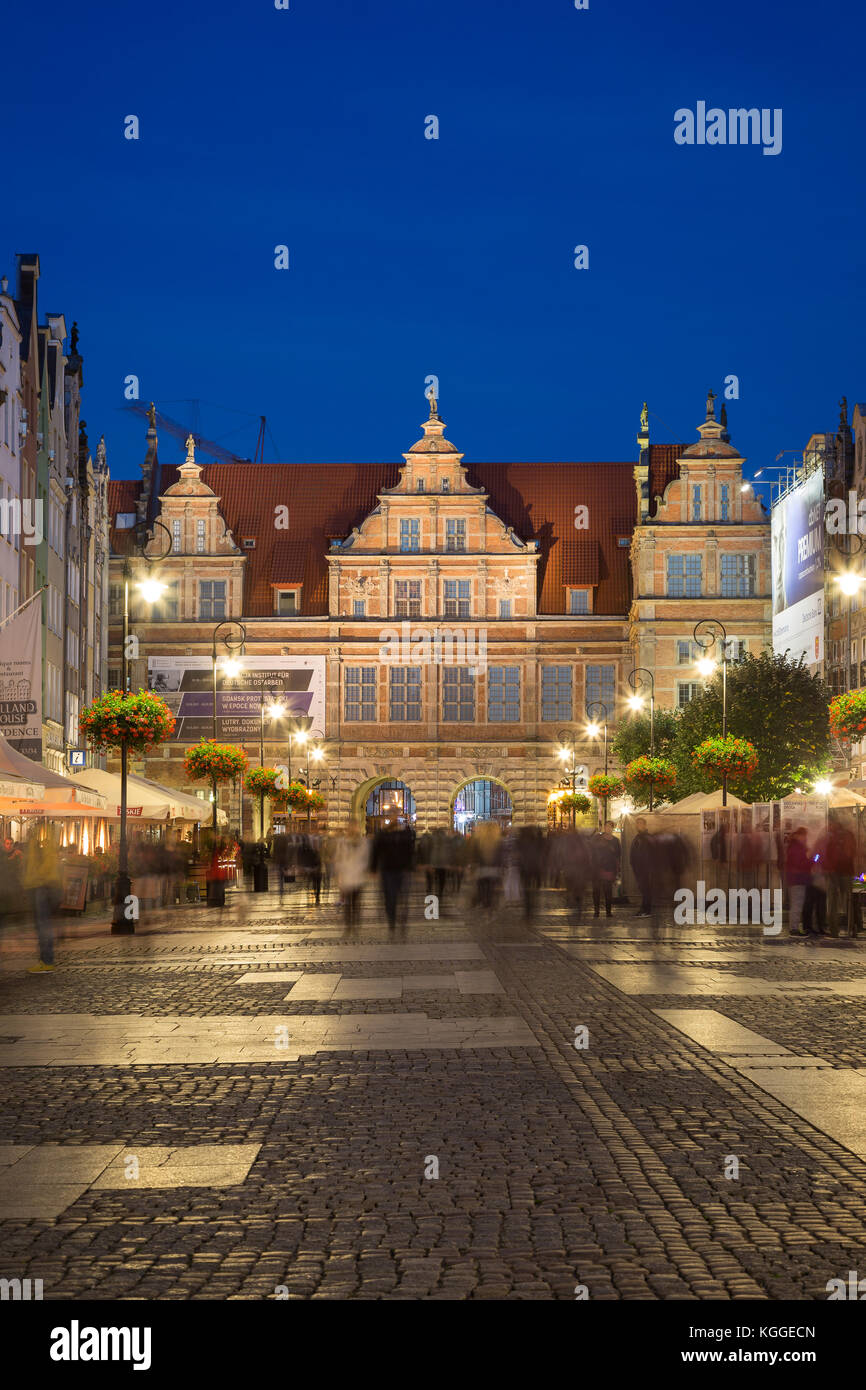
(459,689)
(697,509)
(410,534)
(738,576)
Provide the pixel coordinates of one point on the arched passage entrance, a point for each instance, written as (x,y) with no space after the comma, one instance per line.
(481,798)
(386,803)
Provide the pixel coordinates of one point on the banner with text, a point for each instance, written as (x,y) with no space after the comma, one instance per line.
(21,681)
(296,683)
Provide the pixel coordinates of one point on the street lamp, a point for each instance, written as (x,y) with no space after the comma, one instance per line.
(707,633)
(275,711)
(150,591)
(316,752)
(595,712)
(638,678)
(568,751)
(231,635)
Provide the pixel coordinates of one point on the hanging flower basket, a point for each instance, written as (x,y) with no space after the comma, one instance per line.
(658,773)
(735,756)
(141,721)
(848,715)
(315,800)
(574,801)
(265,781)
(604,785)
(296,796)
(214,762)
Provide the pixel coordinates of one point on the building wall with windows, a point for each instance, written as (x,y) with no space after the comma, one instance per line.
(11,539)
(440,596)
(702,550)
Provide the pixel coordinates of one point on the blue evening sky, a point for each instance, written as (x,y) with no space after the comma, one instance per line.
(411,256)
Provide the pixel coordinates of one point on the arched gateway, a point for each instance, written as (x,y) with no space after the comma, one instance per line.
(480,799)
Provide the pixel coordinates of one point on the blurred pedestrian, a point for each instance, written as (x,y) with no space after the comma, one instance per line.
(393,857)
(351,862)
(42,884)
(641,859)
(798,875)
(606,856)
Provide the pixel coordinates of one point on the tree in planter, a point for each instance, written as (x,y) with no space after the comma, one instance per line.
(632,741)
(134,723)
(775,704)
(217,763)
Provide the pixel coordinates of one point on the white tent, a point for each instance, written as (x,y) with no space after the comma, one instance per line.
(146,800)
(700,801)
(837,796)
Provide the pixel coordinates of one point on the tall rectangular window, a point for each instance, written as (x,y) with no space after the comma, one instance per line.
(456,598)
(211,598)
(359,608)
(404,694)
(176,537)
(360,694)
(696,502)
(737,575)
(287,603)
(407,598)
(687,653)
(725,502)
(505,608)
(458,695)
(684,576)
(455,533)
(555,692)
(166,608)
(410,533)
(687,690)
(601,688)
(579,602)
(503,694)
(199,537)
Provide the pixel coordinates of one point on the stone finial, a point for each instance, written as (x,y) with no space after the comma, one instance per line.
(151,416)
(711,404)
(190,449)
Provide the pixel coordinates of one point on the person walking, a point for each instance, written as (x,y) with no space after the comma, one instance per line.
(606,856)
(839,852)
(393,857)
(41,881)
(641,860)
(351,864)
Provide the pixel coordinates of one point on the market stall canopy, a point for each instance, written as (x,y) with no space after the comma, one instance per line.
(700,801)
(837,796)
(146,800)
(53,787)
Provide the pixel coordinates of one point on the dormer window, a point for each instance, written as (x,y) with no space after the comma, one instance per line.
(578,602)
(288,602)
(249,543)
(124,521)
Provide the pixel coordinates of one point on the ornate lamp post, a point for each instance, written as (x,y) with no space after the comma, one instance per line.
(707,633)
(317,753)
(638,679)
(232,636)
(568,750)
(595,712)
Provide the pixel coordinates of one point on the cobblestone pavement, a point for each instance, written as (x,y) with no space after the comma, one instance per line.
(303,1165)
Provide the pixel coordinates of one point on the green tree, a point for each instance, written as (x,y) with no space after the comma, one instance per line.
(632,740)
(779,707)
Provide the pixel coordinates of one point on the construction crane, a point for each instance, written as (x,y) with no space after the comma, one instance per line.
(202,444)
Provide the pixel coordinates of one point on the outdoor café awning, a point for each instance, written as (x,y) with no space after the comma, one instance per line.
(145,800)
(53,787)
(17,790)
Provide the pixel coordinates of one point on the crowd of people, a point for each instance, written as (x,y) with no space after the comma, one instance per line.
(487,868)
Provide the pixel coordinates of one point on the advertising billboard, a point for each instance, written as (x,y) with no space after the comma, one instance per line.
(186,683)
(797,535)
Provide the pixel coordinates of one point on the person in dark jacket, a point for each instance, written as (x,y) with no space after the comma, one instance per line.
(641,860)
(393,858)
(606,855)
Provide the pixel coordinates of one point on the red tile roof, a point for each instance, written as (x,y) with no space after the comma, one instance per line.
(663,468)
(327,500)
